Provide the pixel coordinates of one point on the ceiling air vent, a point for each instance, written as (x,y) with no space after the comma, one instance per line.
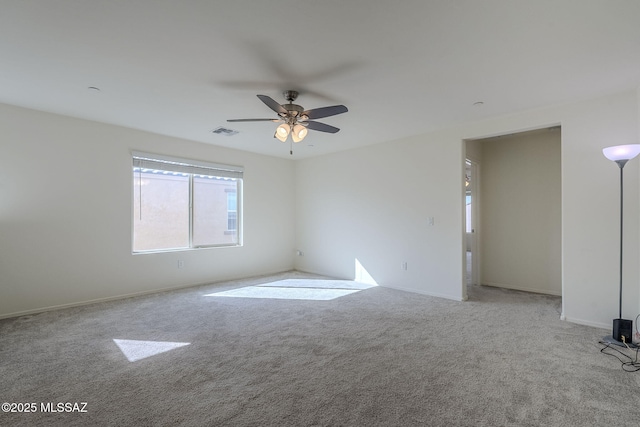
(224,131)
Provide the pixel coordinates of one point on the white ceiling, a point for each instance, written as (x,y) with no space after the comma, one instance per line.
(402,67)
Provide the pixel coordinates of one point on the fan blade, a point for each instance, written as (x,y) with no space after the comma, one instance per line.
(321,127)
(253,120)
(318,113)
(273,104)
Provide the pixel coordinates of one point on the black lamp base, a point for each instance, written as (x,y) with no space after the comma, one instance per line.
(622,334)
(623,330)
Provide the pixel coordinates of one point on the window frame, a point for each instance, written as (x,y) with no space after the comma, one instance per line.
(192,168)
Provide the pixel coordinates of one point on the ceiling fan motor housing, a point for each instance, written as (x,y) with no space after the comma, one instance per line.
(293,110)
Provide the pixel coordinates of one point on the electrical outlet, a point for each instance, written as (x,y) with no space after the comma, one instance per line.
(403,266)
(431,220)
(180,263)
(299,253)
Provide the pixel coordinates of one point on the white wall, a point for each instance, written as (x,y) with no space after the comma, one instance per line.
(521,215)
(372,204)
(71,243)
(473,150)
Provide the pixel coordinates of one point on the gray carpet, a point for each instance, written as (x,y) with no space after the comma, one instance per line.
(372,357)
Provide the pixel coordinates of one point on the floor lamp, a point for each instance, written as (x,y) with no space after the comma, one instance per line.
(622,328)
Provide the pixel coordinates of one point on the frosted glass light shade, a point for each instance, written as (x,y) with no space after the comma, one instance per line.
(621,152)
(299,132)
(282,132)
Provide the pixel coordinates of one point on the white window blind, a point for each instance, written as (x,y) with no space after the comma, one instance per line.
(173,164)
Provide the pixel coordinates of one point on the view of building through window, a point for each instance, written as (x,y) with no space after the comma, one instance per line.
(176,210)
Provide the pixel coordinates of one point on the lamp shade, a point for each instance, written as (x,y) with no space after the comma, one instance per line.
(621,152)
(282,132)
(299,132)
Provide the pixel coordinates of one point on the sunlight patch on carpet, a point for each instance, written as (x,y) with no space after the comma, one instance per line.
(137,350)
(297,289)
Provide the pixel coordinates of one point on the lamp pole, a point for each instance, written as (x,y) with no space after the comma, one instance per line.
(621,163)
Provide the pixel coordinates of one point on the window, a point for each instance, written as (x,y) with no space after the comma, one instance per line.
(181,204)
(232,210)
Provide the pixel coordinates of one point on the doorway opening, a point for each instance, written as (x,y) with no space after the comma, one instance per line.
(471,220)
(513,238)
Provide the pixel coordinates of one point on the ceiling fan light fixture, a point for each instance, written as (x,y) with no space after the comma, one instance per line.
(299,132)
(283,131)
(294,119)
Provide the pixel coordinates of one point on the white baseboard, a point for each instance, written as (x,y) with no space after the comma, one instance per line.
(398,288)
(124,296)
(419,291)
(588,323)
(524,289)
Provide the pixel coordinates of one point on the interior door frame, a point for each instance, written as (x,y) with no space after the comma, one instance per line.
(475,219)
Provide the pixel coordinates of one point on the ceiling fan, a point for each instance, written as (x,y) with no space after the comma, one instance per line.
(295,120)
